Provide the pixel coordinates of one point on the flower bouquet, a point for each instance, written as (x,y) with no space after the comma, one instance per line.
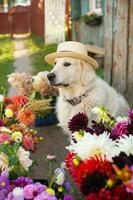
(100,157)
(17,138)
(39,89)
(25,188)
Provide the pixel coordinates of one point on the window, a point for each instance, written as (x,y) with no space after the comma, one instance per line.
(95,4)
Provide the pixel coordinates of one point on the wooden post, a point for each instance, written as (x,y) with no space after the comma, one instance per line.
(108,40)
(119,46)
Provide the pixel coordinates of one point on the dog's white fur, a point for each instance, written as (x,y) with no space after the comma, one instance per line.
(81,77)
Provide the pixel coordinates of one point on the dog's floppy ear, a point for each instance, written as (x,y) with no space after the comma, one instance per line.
(88,73)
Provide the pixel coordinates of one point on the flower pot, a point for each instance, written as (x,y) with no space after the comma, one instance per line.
(94,22)
(49,119)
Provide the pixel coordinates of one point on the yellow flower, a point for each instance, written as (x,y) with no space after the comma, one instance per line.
(60,189)
(76,162)
(102,114)
(17,136)
(50,191)
(8,113)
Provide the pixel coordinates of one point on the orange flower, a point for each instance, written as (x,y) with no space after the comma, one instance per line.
(13,107)
(26,117)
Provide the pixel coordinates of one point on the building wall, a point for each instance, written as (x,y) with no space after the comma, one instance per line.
(82,32)
(37,18)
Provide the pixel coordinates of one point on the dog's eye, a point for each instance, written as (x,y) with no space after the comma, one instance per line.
(54,63)
(66,64)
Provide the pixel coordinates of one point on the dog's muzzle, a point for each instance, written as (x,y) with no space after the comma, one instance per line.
(52,79)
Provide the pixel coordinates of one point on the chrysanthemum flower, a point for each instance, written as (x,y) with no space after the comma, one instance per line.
(120,129)
(93,145)
(24,159)
(125,144)
(17,136)
(28,143)
(9,113)
(102,114)
(19,100)
(5,137)
(26,117)
(123,159)
(78,122)
(22,181)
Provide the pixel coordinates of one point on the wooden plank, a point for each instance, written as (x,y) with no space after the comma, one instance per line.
(108,40)
(95,49)
(130,57)
(120,45)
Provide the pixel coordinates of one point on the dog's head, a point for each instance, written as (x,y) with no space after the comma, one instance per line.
(70,71)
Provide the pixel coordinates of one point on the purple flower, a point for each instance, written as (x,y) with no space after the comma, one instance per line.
(45,196)
(120,129)
(32,190)
(3,194)
(1,123)
(4,182)
(68,197)
(23,181)
(78,122)
(67,186)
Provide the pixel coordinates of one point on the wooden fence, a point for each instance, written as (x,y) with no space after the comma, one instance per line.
(119,46)
(5,27)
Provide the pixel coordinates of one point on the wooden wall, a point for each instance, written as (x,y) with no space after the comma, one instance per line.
(82,32)
(5,27)
(119,46)
(37,17)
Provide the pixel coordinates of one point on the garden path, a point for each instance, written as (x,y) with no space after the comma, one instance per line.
(22,60)
(54,140)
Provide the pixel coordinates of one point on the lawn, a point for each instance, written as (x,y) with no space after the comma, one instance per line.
(38,50)
(6,59)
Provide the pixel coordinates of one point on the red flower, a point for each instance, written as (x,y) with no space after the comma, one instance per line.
(119,193)
(70,166)
(29,143)
(91,165)
(19,100)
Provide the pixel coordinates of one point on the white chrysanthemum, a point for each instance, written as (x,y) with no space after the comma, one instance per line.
(4,161)
(121,119)
(93,145)
(18,192)
(24,159)
(125,144)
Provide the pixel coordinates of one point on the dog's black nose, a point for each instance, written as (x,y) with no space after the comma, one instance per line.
(51,77)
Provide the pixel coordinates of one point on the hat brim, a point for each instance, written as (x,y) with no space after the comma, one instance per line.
(51,57)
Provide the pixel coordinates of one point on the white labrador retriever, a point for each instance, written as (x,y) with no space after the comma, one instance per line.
(81,89)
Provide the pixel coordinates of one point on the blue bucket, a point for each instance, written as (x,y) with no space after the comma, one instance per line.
(49,119)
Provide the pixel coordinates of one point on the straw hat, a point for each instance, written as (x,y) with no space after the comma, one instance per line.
(73,50)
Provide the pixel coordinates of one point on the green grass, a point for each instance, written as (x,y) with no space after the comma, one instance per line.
(100,72)
(6,59)
(38,50)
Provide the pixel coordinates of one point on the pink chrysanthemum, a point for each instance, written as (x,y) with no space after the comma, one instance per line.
(120,129)
(5,137)
(28,143)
